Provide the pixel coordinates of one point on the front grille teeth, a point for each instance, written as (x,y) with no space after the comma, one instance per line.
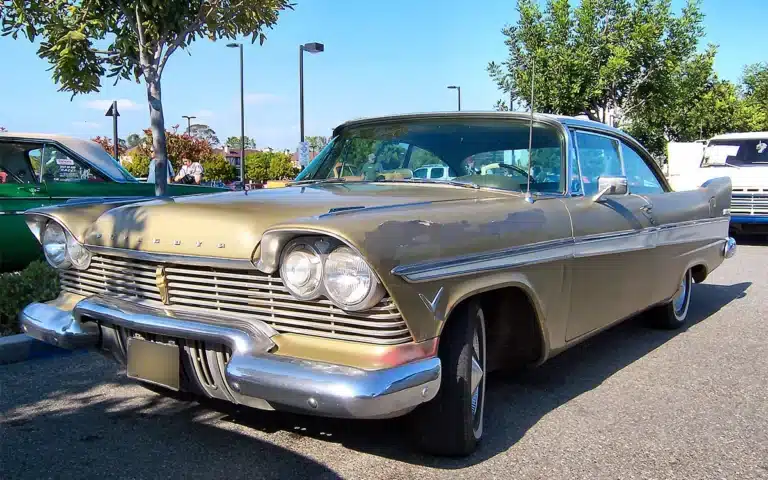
(242,295)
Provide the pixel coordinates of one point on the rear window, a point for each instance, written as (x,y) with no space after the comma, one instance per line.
(741,152)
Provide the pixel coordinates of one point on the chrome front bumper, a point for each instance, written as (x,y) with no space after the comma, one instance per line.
(252,372)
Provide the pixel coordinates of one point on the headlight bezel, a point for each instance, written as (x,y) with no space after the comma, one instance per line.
(323,246)
(65,262)
(298,246)
(374,293)
(70,244)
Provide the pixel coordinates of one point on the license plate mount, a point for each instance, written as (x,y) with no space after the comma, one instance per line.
(152,362)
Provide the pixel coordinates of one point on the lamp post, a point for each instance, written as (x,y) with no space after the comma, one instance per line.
(312,47)
(189,122)
(242,113)
(457,88)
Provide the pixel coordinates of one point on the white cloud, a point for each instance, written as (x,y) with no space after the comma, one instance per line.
(122,104)
(204,114)
(86,125)
(261,98)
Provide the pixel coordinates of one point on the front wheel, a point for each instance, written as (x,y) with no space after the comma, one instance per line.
(452,423)
(674,314)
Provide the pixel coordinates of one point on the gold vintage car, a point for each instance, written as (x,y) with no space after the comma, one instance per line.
(343,297)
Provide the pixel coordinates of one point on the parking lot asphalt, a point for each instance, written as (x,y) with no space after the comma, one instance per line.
(632,402)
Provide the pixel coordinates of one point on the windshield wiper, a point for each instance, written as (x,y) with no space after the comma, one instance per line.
(455,183)
(316,181)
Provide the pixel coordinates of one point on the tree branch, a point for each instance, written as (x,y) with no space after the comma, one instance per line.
(140,33)
(181,37)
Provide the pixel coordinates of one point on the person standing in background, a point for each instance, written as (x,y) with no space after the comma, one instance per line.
(151,174)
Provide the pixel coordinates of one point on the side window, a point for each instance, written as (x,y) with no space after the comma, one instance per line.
(19,163)
(420,157)
(437,172)
(598,156)
(60,167)
(420,173)
(640,177)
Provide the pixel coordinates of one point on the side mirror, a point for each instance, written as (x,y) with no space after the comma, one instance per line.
(608,185)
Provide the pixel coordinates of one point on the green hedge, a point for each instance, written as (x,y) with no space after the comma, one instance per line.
(39,282)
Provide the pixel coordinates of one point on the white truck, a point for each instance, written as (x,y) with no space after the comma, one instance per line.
(741,156)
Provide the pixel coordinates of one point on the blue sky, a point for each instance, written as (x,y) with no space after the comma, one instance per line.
(381,57)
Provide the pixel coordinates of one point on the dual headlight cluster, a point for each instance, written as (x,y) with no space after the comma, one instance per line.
(62,250)
(312,267)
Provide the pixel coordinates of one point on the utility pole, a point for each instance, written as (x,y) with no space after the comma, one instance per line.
(112,112)
(189,123)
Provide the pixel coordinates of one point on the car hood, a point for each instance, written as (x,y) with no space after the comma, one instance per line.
(230,224)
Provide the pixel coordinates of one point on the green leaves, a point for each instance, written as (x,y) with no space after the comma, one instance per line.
(594,57)
(39,282)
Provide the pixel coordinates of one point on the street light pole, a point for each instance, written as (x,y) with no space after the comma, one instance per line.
(242,112)
(312,47)
(458,89)
(189,122)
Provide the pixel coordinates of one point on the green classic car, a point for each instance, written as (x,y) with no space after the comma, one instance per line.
(40,170)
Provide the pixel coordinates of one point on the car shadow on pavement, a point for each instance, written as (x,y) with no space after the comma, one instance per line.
(529,394)
(72,423)
(86,420)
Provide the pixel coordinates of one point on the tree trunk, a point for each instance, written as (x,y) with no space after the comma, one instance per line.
(157,125)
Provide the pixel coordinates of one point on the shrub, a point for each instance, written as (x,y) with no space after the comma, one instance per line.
(39,282)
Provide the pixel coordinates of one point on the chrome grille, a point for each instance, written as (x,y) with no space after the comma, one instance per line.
(749,201)
(244,294)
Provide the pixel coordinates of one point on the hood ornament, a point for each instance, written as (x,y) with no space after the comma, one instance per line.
(161,280)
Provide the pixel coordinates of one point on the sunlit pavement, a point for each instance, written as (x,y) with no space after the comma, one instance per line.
(630,403)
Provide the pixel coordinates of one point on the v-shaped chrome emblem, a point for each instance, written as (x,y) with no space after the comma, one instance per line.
(432,305)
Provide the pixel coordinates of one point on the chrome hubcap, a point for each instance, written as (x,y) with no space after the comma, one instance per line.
(476,375)
(682,293)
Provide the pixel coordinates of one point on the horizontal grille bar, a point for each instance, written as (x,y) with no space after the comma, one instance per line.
(245,295)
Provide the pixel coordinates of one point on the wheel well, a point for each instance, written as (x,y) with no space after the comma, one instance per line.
(699,273)
(513,334)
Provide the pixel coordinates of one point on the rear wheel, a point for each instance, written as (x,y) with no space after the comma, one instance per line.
(674,314)
(452,423)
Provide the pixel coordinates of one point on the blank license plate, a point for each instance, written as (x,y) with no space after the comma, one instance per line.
(151,362)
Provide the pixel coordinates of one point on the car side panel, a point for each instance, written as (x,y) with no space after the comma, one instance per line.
(17,244)
(692,229)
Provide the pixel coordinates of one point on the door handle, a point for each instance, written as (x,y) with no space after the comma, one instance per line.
(646,208)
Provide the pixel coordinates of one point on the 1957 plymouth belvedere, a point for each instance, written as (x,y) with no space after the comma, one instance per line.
(39,170)
(371,295)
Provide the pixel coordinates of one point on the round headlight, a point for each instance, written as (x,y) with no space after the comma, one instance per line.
(78,254)
(55,245)
(349,281)
(302,271)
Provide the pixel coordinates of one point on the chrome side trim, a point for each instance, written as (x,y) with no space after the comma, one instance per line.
(585,246)
(513,257)
(217,262)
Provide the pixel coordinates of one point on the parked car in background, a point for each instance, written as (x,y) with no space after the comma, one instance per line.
(433,172)
(742,157)
(41,170)
(354,298)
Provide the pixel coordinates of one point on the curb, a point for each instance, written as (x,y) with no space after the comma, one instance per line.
(18,348)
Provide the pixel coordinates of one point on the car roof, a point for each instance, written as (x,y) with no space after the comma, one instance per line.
(492,115)
(87,149)
(741,136)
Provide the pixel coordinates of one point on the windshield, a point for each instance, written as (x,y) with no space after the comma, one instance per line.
(486,153)
(737,152)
